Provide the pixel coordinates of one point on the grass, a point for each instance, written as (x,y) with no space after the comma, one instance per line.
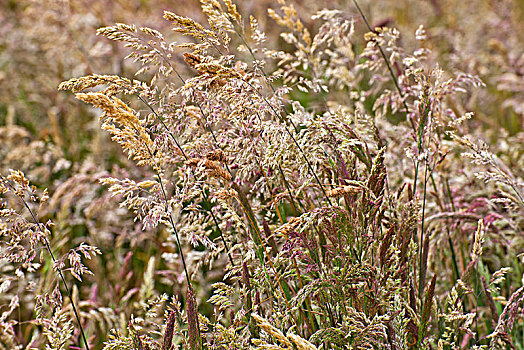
(338,190)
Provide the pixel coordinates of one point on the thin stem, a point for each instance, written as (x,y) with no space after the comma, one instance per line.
(174,230)
(395,82)
(283,106)
(289,191)
(206,198)
(397,86)
(386,60)
(270,189)
(310,168)
(157,116)
(263,257)
(48,247)
(421,245)
(179,147)
(278,115)
(157,173)
(453,255)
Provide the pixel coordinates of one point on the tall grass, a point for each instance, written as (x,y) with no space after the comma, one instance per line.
(331,189)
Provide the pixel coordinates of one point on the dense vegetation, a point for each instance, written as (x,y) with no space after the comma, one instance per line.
(261,175)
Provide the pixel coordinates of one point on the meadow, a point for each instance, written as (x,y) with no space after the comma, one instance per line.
(255,174)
